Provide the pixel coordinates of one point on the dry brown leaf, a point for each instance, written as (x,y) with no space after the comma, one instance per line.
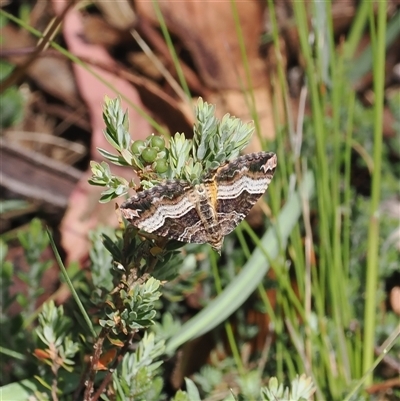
(51,72)
(119,14)
(208,31)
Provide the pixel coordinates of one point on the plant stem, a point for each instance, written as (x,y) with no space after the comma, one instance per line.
(378,45)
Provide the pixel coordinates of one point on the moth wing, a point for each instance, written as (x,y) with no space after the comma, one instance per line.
(166,210)
(240,183)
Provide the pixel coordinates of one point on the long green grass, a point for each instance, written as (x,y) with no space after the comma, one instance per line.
(320,321)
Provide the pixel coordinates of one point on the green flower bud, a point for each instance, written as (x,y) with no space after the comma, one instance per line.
(138,147)
(149,155)
(160,166)
(156,142)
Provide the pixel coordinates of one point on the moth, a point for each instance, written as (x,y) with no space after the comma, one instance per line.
(206,212)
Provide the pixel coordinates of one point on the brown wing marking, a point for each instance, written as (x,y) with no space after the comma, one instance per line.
(166,210)
(240,184)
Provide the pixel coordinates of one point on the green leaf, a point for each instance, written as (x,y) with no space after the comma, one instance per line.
(115,159)
(192,390)
(19,391)
(13,205)
(108,196)
(12,103)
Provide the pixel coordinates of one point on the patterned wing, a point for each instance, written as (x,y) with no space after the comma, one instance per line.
(166,210)
(240,184)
